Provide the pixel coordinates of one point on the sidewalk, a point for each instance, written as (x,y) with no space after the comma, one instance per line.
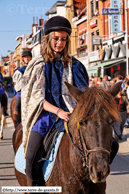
(126,132)
(124,144)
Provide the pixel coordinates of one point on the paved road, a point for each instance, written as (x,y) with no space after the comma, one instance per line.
(7,176)
(117,181)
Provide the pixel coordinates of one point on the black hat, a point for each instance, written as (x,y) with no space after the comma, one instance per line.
(26,53)
(57,23)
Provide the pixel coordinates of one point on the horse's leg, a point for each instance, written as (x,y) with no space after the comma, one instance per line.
(5,123)
(2,124)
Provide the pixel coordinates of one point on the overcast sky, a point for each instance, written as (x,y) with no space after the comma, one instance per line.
(16,17)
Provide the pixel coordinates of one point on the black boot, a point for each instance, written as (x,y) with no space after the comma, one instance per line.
(5,113)
(31,182)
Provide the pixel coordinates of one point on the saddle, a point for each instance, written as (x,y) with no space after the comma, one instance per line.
(51,144)
(48,143)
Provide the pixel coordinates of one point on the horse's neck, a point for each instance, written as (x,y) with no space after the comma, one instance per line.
(75,160)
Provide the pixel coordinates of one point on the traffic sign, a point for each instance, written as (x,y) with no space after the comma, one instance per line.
(111,11)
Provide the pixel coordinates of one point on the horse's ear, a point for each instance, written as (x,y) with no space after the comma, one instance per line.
(114,90)
(74,91)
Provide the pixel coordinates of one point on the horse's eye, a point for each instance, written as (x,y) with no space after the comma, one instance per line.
(111,121)
(82,124)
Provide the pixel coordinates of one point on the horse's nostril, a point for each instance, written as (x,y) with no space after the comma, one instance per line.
(99,174)
(91,169)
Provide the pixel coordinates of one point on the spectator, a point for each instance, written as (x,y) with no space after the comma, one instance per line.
(119,78)
(1,78)
(96,81)
(9,87)
(126,93)
(3,97)
(113,81)
(123,107)
(91,82)
(99,80)
(106,84)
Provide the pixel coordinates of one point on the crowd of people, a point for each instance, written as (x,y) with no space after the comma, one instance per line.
(122,100)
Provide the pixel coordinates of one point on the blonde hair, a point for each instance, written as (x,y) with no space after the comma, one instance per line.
(48,53)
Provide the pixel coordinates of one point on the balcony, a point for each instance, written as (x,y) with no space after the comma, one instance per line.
(82,51)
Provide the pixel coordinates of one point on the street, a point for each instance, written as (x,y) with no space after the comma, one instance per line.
(117,181)
(7,176)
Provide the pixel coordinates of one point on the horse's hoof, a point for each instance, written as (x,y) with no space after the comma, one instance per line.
(1,138)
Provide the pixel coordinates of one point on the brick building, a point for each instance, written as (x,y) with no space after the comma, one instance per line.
(100,49)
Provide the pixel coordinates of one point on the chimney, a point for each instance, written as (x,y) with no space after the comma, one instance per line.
(37,20)
(41,22)
(33,22)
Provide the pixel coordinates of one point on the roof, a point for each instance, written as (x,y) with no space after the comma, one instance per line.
(5,58)
(18,37)
(53,9)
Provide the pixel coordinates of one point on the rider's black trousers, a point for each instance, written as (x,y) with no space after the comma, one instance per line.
(33,155)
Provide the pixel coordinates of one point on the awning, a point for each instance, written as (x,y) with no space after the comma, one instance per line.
(91,70)
(106,64)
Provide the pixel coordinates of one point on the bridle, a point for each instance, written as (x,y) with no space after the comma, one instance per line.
(84,152)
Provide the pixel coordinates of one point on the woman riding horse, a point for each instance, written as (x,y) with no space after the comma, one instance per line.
(45,95)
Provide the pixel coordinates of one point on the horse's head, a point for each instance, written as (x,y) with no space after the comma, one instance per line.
(95,113)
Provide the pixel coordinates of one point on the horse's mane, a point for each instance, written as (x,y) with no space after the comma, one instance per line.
(92,100)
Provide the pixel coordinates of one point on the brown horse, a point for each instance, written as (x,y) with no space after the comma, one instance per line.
(12,105)
(84,171)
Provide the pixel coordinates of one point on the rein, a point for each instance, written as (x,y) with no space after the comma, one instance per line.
(85,152)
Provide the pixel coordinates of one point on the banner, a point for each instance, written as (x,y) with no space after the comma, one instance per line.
(115,19)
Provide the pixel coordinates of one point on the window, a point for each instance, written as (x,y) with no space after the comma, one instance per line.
(109,26)
(92,8)
(92,46)
(97,32)
(97,5)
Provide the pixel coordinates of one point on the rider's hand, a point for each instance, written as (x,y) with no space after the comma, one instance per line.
(63,114)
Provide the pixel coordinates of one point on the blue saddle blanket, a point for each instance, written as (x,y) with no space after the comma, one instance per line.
(20,161)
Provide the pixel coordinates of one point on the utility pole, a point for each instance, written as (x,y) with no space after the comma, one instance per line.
(88,32)
(126,16)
